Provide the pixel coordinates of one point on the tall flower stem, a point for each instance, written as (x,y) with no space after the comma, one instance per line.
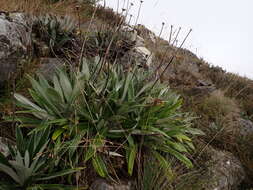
(139,11)
(171,29)
(171,60)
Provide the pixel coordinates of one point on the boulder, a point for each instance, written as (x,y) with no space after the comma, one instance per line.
(225,172)
(101,184)
(222,171)
(245,127)
(139,55)
(15,42)
(134,37)
(146,33)
(243,145)
(142,56)
(139,42)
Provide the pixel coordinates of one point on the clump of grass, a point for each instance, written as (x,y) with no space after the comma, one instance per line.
(217,105)
(233,85)
(217,116)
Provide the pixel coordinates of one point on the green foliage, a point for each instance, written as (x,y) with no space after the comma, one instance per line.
(117,43)
(153,176)
(109,111)
(28,161)
(57,32)
(27,158)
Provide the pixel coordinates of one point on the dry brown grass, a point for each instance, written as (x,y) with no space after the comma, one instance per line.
(73,8)
(217,116)
(218,105)
(36,7)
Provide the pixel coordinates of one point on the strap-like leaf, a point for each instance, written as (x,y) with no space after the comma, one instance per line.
(178,155)
(57,133)
(20,140)
(99,166)
(59,174)
(9,171)
(3,160)
(41,113)
(165,165)
(131,155)
(65,85)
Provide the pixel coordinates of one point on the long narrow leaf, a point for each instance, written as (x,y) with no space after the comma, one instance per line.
(99,166)
(59,174)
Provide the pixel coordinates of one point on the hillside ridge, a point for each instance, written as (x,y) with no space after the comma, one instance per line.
(94,103)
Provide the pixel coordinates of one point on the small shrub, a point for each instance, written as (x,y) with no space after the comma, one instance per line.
(218,118)
(217,106)
(233,85)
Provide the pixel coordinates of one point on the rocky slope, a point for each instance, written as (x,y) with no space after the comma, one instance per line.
(224,156)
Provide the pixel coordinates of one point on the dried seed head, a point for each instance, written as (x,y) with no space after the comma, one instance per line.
(77,7)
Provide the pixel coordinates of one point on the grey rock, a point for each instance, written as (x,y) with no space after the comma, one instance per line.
(143,56)
(140,56)
(146,33)
(133,36)
(152,37)
(15,42)
(132,32)
(221,171)
(140,42)
(101,184)
(225,172)
(245,127)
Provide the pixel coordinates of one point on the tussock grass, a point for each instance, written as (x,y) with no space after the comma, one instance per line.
(218,105)
(233,85)
(217,115)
